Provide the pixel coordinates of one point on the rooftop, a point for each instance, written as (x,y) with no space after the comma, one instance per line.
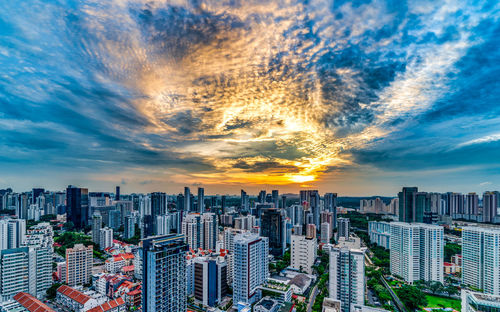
(31,303)
(73,294)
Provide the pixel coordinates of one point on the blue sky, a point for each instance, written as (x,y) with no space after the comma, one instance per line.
(355,97)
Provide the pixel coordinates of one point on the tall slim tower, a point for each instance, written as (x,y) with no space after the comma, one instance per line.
(164,274)
(77,206)
(187,198)
(201,200)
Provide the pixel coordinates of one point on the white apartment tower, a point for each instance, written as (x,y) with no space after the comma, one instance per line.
(250,266)
(303,253)
(481,258)
(417,251)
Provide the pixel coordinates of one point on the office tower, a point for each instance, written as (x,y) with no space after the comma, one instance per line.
(96,227)
(162,225)
(262,197)
(417,251)
(187,199)
(77,206)
(15,272)
(481,258)
(303,253)
(245,205)
(380,233)
(201,200)
(489,207)
(164,274)
(471,206)
(272,227)
(311,230)
(456,205)
(22,204)
(117,193)
(114,219)
(105,238)
(210,227)
(148,226)
(210,280)
(343,228)
(223,204)
(314,206)
(158,204)
(35,193)
(347,273)
(98,199)
(250,266)
(407,204)
(125,207)
(325,232)
(144,206)
(331,206)
(276,198)
(129,229)
(12,233)
(283,201)
(78,264)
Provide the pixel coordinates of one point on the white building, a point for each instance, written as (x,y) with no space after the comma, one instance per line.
(380,233)
(163,225)
(343,227)
(417,251)
(475,301)
(12,233)
(325,232)
(105,238)
(303,253)
(347,273)
(251,262)
(481,258)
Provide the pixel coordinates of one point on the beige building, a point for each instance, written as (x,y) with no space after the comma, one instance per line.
(78,264)
(303,253)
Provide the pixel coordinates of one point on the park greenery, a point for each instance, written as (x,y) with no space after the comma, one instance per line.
(412,297)
(451,249)
(69,239)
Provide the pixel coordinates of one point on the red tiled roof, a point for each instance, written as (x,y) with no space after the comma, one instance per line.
(73,294)
(128,268)
(108,305)
(127,256)
(134,292)
(31,303)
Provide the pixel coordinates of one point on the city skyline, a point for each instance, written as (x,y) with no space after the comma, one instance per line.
(358,98)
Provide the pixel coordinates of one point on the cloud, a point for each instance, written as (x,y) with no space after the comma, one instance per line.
(281,92)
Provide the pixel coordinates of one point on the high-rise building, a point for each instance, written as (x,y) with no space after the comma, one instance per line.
(210,280)
(303,253)
(417,251)
(331,206)
(481,258)
(245,205)
(40,239)
(163,225)
(325,232)
(193,231)
(210,227)
(272,227)
(164,274)
(223,204)
(477,301)
(489,207)
(311,230)
(15,272)
(407,204)
(250,266)
(117,193)
(276,198)
(35,193)
(77,206)
(187,199)
(12,233)
(471,207)
(78,264)
(380,233)
(105,238)
(158,204)
(347,273)
(201,200)
(343,228)
(96,227)
(129,229)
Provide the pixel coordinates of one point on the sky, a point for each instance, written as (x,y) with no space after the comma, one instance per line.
(354,97)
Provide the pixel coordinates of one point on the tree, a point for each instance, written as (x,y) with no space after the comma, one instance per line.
(52,290)
(412,297)
(436,287)
(451,249)
(451,290)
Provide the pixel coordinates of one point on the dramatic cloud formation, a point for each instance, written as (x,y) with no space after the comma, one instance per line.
(161,93)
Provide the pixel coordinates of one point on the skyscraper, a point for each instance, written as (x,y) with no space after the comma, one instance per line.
(471,207)
(481,258)
(489,207)
(77,206)
(347,273)
(129,229)
(276,198)
(210,280)
(331,206)
(117,193)
(187,199)
(272,227)
(250,266)
(407,204)
(416,251)
(245,205)
(15,272)
(105,238)
(262,197)
(201,200)
(12,233)
(164,274)
(158,204)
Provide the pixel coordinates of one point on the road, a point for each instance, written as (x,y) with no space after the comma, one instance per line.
(395,298)
(312,297)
